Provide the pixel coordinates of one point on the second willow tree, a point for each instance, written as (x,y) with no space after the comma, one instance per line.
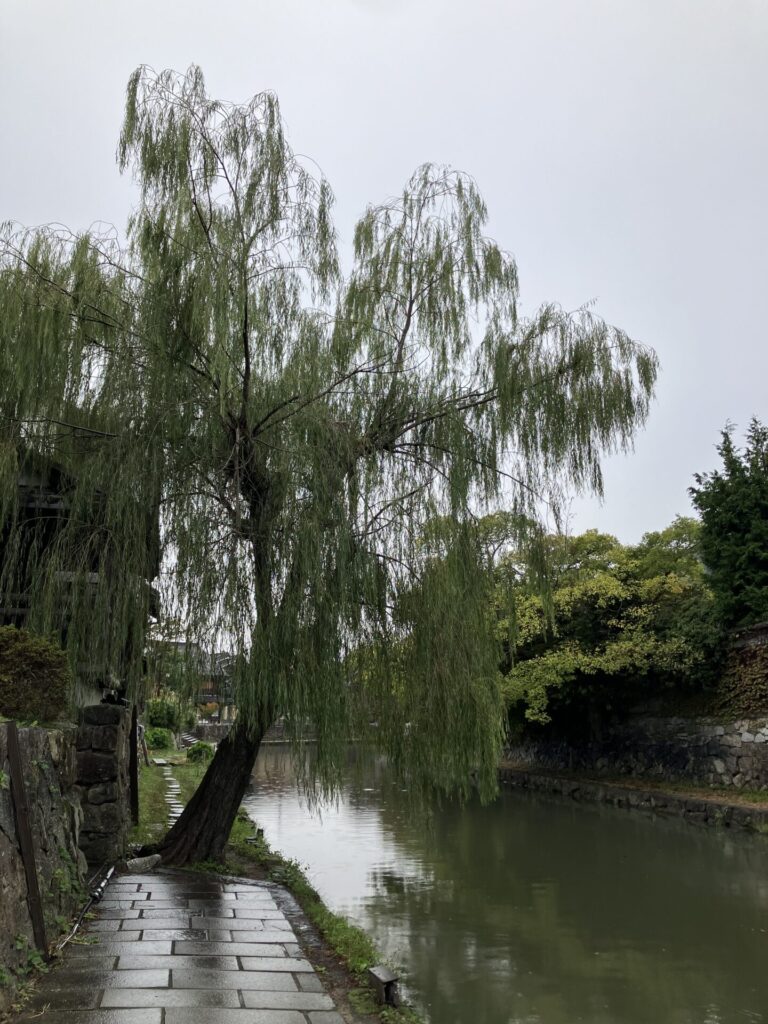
(296,431)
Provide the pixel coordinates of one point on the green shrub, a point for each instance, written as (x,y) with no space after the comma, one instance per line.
(188,719)
(158,738)
(200,752)
(35,683)
(164,714)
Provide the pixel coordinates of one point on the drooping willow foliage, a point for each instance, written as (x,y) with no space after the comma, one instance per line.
(295,432)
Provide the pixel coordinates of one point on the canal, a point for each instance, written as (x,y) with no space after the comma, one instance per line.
(536,910)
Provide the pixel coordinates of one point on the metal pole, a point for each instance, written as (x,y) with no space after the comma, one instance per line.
(26,844)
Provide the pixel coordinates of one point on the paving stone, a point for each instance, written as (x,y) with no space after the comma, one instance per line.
(263,936)
(161,904)
(253,949)
(261,963)
(309,983)
(216,963)
(137,878)
(165,892)
(64,999)
(131,900)
(227,898)
(287,1000)
(171,934)
(164,913)
(212,907)
(225,924)
(173,949)
(101,963)
(271,980)
(171,997)
(259,913)
(98,1017)
(147,924)
(86,977)
(242,887)
(97,941)
(145,947)
(234,1017)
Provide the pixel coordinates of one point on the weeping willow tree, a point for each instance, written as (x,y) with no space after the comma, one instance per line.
(298,430)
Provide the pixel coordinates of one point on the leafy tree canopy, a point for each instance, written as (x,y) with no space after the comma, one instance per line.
(733,504)
(622,624)
(299,429)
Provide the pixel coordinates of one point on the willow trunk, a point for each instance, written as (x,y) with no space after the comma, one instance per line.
(202,830)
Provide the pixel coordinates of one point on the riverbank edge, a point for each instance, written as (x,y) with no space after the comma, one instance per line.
(328,939)
(694,808)
(339,951)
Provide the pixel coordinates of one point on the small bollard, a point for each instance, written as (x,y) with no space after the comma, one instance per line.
(385,985)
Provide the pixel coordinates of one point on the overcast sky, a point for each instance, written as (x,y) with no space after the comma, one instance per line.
(621,146)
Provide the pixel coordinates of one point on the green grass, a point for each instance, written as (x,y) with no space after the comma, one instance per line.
(188,775)
(153,809)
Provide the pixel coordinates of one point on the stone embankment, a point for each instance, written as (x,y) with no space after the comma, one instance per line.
(698,809)
(55,817)
(77,792)
(703,751)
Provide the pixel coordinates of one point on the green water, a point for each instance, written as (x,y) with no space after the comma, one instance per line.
(536,910)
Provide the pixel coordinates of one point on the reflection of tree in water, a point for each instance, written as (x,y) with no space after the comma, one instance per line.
(537,911)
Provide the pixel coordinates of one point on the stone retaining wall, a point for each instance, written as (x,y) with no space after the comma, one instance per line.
(706,751)
(49,769)
(212,732)
(698,810)
(103,742)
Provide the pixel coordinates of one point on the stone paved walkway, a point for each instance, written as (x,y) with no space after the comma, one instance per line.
(175,948)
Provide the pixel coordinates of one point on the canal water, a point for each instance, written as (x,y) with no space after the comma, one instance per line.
(536,910)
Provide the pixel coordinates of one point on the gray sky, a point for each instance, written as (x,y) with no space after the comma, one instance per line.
(621,146)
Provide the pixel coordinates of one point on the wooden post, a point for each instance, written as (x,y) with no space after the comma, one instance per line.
(26,844)
(133,765)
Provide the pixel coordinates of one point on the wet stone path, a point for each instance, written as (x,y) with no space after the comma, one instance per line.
(175,948)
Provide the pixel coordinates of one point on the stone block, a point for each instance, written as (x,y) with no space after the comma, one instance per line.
(94,767)
(103,792)
(105,819)
(85,737)
(105,737)
(104,714)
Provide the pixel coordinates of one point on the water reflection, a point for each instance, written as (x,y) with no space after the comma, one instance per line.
(536,910)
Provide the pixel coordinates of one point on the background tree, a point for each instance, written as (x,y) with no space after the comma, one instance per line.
(620,625)
(299,430)
(733,504)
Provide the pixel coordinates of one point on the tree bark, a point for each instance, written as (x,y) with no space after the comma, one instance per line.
(202,830)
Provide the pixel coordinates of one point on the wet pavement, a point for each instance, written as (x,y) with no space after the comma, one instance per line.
(175,948)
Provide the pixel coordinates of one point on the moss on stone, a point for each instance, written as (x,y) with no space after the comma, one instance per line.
(35,683)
